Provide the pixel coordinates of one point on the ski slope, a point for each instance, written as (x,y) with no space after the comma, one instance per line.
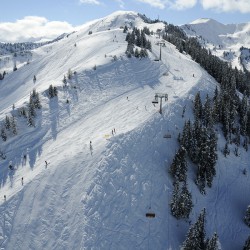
(96,196)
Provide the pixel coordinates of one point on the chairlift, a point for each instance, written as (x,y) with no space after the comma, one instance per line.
(150,215)
(167,136)
(155,100)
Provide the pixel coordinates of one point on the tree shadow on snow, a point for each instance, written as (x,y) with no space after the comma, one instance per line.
(54,116)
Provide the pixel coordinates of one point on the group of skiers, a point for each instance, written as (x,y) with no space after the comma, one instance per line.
(11,167)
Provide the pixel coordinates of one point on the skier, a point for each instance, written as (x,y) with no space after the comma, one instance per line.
(22,181)
(46,164)
(4,197)
(10,166)
(90,148)
(34,79)
(114,131)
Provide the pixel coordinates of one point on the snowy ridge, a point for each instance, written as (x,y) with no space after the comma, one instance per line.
(96,196)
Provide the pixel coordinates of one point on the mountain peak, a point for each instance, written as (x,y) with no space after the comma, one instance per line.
(205,20)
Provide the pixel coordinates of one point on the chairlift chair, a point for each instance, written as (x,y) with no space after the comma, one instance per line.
(167,136)
(155,100)
(150,215)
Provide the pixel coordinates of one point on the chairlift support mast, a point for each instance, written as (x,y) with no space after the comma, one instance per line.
(161,96)
(161,43)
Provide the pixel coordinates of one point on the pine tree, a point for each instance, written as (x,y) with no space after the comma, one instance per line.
(64,80)
(245,143)
(247,216)
(178,168)
(186,201)
(125,30)
(195,239)
(30,120)
(13,125)
(7,122)
(35,99)
(174,205)
(55,91)
(197,106)
(213,243)
(3,134)
(51,91)
(31,108)
(69,74)
(216,110)
(247,244)
(226,150)
(207,113)
(137,54)
(181,203)
(22,112)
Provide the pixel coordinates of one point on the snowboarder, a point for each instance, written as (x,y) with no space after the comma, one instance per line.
(34,79)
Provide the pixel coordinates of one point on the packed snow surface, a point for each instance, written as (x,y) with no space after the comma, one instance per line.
(95,195)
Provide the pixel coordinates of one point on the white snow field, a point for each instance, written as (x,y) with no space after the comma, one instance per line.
(96,196)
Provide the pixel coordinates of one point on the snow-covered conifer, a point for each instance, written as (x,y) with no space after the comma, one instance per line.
(195,239)
(213,243)
(3,134)
(247,216)
(247,244)
(13,125)
(7,122)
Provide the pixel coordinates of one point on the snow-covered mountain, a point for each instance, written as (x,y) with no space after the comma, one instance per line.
(104,142)
(223,40)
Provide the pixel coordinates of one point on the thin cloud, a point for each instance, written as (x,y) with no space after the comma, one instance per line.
(242,6)
(121,3)
(183,4)
(156,3)
(32,28)
(95,2)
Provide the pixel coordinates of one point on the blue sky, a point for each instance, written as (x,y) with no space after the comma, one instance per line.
(67,14)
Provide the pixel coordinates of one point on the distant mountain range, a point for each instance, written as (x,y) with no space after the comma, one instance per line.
(231,42)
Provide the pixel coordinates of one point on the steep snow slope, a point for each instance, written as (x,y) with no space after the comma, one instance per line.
(97,198)
(224,41)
